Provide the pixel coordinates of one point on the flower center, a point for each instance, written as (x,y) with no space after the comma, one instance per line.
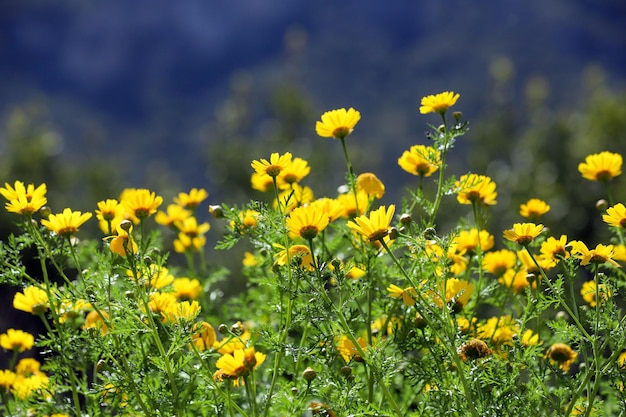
(308,232)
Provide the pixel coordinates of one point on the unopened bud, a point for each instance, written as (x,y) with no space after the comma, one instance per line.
(393,233)
(309,374)
(602,205)
(216,211)
(126,225)
(457,115)
(45,212)
(222,328)
(406,219)
(346,371)
(430,233)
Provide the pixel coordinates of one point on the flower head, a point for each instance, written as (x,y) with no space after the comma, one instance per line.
(347,349)
(553,250)
(588,292)
(33,300)
(238,364)
(338,123)
(499,262)
(602,166)
(123,243)
(298,253)
(17,340)
(473,188)
(469,240)
(599,255)
(420,160)
(561,355)
(615,216)
(371,185)
(375,226)
(175,214)
(67,223)
(293,173)
(534,208)
(192,199)
(24,199)
(438,103)
(109,214)
(203,336)
(306,222)
(408,294)
(141,202)
(186,288)
(276,164)
(523,233)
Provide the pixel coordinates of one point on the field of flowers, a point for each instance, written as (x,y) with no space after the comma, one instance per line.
(351,308)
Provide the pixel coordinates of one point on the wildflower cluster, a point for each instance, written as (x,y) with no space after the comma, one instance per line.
(351,306)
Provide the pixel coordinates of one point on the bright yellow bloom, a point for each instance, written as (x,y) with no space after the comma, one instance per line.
(408,294)
(473,188)
(347,350)
(561,355)
(615,216)
(530,339)
(515,280)
(375,226)
(238,364)
(261,182)
(438,103)
(294,197)
(203,336)
(7,378)
(553,250)
(184,243)
(192,199)
(298,254)
(457,293)
(602,166)
(338,123)
(71,310)
(500,330)
(184,310)
(109,214)
(33,300)
(96,320)
(499,262)
(140,202)
(67,223)
(534,208)
(306,222)
(17,340)
(123,242)
(370,185)
(175,214)
(420,160)
(274,166)
(25,386)
(191,228)
(353,207)
(469,240)
(599,255)
(330,206)
(249,259)
(161,302)
(588,291)
(187,289)
(523,233)
(293,173)
(24,199)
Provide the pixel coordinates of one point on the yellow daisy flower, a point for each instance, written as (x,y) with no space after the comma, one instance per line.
(420,160)
(33,300)
(306,222)
(347,350)
(337,124)
(192,199)
(294,197)
(297,253)
(184,310)
(553,250)
(7,378)
(276,164)
(109,214)
(17,340)
(234,366)
(517,281)
(438,103)
(375,226)
(602,166)
(203,336)
(95,320)
(468,240)
(261,182)
(293,173)
(588,292)
(370,185)
(562,355)
(498,262)
(352,206)
(141,202)
(615,216)
(473,188)
(534,208)
(174,214)
(408,294)
(523,233)
(67,223)
(123,243)
(599,255)
(23,199)
(186,288)
(330,206)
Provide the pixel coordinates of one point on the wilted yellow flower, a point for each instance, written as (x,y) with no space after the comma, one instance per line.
(338,123)
(602,166)
(123,243)
(33,300)
(438,103)
(24,199)
(192,199)
(474,349)
(375,226)
(420,160)
(203,336)
(534,208)
(140,202)
(306,222)
(17,340)
(473,188)
(408,294)
(67,223)
(599,255)
(276,164)
(523,233)
(561,355)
